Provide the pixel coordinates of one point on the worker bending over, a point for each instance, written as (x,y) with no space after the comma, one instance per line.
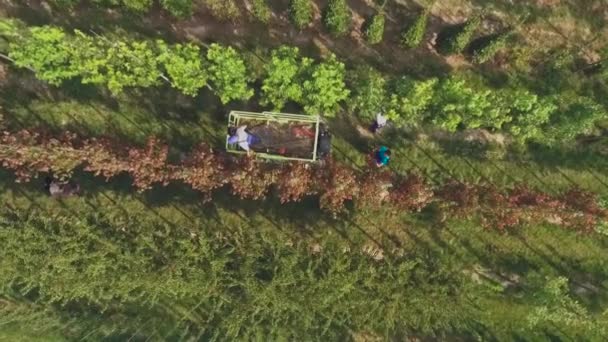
(243,138)
(382,156)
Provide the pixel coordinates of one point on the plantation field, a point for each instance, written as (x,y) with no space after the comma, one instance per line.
(455,262)
(490,223)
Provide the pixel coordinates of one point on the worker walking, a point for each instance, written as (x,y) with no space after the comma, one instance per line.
(382,156)
(243,138)
(379,123)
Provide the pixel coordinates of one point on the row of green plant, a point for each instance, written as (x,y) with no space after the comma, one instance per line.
(458,39)
(452,103)
(334,183)
(337,18)
(458,102)
(106,274)
(119,63)
(222,9)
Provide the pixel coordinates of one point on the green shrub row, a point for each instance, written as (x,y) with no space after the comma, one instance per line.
(459,40)
(413,36)
(179,8)
(374,30)
(319,87)
(455,103)
(120,63)
(261,11)
(489,47)
(337,17)
(300,12)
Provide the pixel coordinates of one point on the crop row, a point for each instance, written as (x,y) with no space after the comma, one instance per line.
(335,184)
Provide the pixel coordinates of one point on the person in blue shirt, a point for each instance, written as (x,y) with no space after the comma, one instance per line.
(382,156)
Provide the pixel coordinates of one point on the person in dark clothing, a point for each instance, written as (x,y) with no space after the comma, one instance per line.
(382,156)
(60,189)
(324,144)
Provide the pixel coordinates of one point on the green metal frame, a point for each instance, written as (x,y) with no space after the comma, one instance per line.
(234,119)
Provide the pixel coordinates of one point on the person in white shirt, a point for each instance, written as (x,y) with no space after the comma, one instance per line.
(243,138)
(379,122)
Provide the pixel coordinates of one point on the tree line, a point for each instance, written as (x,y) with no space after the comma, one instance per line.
(320,87)
(335,184)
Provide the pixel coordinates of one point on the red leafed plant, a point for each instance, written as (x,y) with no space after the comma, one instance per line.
(28,153)
(411,193)
(523,196)
(337,184)
(148,165)
(497,211)
(104,158)
(251,178)
(294,181)
(202,169)
(462,198)
(582,200)
(374,188)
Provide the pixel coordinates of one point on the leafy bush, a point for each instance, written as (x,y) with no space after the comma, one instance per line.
(283,79)
(337,17)
(184,66)
(490,48)
(179,8)
(410,100)
(458,104)
(324,88)
(46,50)
(413,36)
(529,114)
(300,12)
(228,73)
(137,5)
(375,29)
(115,63)
(223,9)
(575,117)
(368,91)
(261,10)
(65,3)
(459,41)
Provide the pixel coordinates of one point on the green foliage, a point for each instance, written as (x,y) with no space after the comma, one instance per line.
(228,73)
(489,48)
(337,17)
(300,12)
(557,308)
(368,88)
(179,8)
(115,63)
(459,41)
(137,5)
(410,100)
(458,104)
(261,10)
(574,117)
(184,66)
(223,9)
(137,261)
(65,3)
(325,88)
(374,30)
(529,113)
(413,36)
(284,77)
(46,50)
